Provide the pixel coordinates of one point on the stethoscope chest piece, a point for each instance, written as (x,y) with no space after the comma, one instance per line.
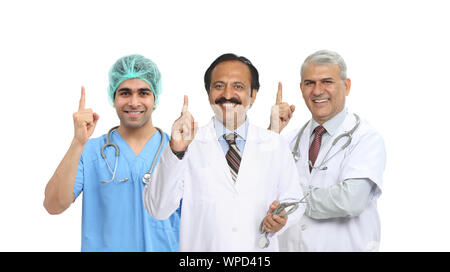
(296,156)
(263,241)
(146,178)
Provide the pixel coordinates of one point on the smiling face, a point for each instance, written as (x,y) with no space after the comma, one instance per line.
(134,103)
(323,90)
(229,92)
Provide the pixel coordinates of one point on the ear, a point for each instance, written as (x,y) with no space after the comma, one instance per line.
(301,89)
(253,94)
(348,84)
(114,99)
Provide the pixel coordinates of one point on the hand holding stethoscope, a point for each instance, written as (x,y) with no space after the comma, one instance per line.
(274,221)
(84,121)
(277,212)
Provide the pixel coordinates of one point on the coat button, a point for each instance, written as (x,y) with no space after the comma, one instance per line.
(234,229)
(303,227)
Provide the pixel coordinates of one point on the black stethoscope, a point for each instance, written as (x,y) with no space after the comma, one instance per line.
(147,176)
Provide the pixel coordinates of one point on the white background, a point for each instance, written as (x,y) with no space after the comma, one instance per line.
(397,53)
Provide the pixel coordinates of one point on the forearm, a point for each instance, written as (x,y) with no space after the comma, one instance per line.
(163,194)
(345,199)
(292,190)
(59,190)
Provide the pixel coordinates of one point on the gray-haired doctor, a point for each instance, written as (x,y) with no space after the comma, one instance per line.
(340,159)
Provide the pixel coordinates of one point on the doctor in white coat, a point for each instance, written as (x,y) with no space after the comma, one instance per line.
(229,174)
(343,185)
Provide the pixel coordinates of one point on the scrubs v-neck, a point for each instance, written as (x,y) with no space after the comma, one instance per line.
(113,215)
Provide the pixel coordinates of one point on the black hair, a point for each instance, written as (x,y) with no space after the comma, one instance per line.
(229,57)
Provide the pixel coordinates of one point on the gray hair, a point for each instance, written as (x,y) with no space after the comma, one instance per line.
(326,57)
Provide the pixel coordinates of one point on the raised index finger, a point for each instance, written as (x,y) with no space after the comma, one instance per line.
(82,99)
(279,93)
(185,105)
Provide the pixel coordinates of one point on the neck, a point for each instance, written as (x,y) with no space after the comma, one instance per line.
(140,134)
(322,121)
(233,123)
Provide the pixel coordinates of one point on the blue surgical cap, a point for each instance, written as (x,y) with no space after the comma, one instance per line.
(134,66)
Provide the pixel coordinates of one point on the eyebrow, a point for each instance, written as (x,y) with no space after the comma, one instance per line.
(322,79)
(129,90)
(223,82)
(327,78)
(124,90)
(144,90)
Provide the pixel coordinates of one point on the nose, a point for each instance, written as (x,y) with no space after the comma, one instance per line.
(228,92)
(134,100)
(318,89)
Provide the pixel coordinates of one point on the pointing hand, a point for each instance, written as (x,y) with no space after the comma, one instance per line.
(183,129)
(84,121)
(281,112)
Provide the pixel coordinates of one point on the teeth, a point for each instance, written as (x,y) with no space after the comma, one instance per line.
(320,101)
(228,104)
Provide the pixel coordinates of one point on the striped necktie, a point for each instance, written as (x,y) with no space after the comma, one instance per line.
(233,155)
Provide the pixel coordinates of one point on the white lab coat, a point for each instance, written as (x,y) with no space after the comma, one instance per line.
(218,214)
(365,157)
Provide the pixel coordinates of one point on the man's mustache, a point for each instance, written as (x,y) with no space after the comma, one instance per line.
(224,100)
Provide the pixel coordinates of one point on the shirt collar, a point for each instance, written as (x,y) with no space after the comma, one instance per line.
(221,129)
(331,125)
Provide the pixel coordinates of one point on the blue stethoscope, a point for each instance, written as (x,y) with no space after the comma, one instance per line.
(264,239)
(147,176)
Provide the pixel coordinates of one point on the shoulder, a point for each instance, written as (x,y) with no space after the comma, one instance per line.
(205,133)
(291,135)
(94,145)
(262,133)
(165,135)
(264,136)
(94,142)
(367,130)
(365,134)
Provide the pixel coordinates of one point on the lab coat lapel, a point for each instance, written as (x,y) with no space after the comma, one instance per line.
(304,147)
(218,162)
(248,158)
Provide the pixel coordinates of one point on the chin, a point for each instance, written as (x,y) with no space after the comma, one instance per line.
(132,124)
